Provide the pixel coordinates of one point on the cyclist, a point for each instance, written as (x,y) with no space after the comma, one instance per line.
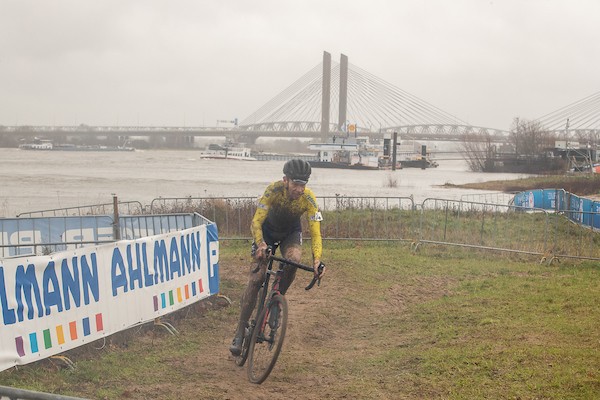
(277,219)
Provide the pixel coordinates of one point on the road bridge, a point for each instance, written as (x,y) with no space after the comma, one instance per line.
(249,134)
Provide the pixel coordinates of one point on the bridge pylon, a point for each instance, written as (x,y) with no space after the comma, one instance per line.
(326,94)
(343,100)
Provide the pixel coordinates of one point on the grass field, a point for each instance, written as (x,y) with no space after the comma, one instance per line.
(581,184)
(444,323)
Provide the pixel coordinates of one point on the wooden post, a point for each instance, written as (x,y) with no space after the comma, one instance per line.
(116,230)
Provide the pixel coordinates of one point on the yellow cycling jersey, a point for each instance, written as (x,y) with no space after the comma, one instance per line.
(281,215)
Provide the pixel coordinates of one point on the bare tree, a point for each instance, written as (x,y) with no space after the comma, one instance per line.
(477,150)
(529,137)
(591,137)
(526,150)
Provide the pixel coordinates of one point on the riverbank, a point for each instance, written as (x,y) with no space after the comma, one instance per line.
(582,185)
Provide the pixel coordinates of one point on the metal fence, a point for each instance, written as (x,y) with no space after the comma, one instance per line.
(465,223)
(369,218)
(123,207)
(365,218)
(23,394)
(493,198)
(483,225)
(46,235)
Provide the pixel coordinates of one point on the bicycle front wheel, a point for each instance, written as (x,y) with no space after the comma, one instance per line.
(267,339)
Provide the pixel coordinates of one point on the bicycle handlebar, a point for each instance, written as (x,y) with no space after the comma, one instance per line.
(315,279)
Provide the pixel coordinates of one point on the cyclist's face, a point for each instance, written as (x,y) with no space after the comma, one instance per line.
(295,190)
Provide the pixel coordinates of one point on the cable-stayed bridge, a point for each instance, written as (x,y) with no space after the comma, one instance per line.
(332,99)
(339,98)
(579,120)
(353,97)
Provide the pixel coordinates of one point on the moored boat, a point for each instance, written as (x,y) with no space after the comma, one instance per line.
(49,145)
(37,144)
(346,154)
(215,151)
(411,155)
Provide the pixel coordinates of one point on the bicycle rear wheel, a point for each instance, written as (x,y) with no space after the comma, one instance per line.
(241,359)
(267,339)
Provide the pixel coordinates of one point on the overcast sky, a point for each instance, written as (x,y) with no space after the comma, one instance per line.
(193,62)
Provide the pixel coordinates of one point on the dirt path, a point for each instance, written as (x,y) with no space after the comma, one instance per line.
(328,327)
(300,372)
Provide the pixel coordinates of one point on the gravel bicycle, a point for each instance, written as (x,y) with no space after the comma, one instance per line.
(265,331)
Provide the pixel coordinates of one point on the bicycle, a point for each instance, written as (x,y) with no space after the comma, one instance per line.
(264,333)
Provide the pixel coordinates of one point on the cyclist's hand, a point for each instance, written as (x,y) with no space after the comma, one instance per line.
(261,251)
(316,264)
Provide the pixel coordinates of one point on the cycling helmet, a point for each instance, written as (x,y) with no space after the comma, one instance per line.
(297,170)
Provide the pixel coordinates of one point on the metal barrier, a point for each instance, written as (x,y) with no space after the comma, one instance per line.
(232,215)
(493,198)
(509,228)
(369,218)
(344,217)
(22,394)
(59,233)
(483,225)
(124,207)
(46,235)
(572,237)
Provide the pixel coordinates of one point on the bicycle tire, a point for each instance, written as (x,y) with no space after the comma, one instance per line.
(241,359)
(267,339)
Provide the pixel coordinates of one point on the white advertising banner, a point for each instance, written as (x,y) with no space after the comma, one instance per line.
(57,302)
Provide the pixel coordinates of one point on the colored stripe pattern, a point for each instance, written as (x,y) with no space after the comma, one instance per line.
(179,295)
(58,335)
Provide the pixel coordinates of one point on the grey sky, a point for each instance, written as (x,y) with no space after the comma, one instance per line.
(193,62)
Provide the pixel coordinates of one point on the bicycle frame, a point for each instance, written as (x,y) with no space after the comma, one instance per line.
(269,293)
(275,287)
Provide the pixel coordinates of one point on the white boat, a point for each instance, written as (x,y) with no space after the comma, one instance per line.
(48,145)
(37,145)
(215,151)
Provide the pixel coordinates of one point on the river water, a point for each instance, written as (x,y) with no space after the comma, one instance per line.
(43,180)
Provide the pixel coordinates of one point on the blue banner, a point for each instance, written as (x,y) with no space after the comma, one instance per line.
(53,303)
(578,209)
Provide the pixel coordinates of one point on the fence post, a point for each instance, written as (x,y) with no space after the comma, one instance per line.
(116,229)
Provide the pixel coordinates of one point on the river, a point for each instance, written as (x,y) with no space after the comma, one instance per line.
(42,180)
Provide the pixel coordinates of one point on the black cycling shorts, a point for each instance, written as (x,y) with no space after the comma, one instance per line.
(292,239)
